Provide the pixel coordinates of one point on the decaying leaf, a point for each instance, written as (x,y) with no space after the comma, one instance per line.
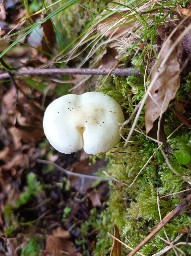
(58,246)
(95,198)
(109,60)
(116,249)
(166,85)
(2,12)
(184,11)
(43,36)
(180,110)
(84,167)
(114,26)
(60,232)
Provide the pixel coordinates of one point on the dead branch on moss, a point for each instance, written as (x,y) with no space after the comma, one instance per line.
(72,71)
(171,215)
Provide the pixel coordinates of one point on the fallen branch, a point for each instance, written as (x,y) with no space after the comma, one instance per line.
(74,71)
(69,173)
(179,208)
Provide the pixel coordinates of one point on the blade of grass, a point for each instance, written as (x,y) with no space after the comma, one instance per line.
(91,25)
(65,6)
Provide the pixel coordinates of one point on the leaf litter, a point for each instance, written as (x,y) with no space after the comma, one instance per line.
(53,207)
(166,75)
(165,87)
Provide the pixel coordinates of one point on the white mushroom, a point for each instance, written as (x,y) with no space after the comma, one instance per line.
(90,121)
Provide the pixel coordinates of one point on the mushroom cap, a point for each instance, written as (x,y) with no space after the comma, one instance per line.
(90,121)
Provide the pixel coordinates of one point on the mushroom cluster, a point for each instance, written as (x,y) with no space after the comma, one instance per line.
(90,121)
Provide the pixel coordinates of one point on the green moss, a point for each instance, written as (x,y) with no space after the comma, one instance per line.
(31,248)
(147,182)
(135,209)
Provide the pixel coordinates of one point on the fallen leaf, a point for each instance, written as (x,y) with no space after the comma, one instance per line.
(28,122)
(184,11)
(84,167)
(116,248)
(4,153)
(43,36)
(19,160)
(114,26)
(166,85)
(49,37)
(2,12)
(95,198)
(9,106)
(60,232)
(109,60)
(58,246)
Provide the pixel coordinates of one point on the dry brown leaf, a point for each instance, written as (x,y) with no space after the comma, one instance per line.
(95,198)
(2,12)
(9,105)
(116,249)
(109,60)
(4,153)
(29,115)
(119,30)
(166,85)
(16,138)
(42,36)
(84,167)
(58,246)
(113,26)
(18,160)
(60,232)
(184,11)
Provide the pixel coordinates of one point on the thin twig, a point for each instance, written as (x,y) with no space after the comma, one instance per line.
(127,246)
(74,71)
(69,173)
(171,215)
(176,193)
(168,163)
(160,216)
(171,245)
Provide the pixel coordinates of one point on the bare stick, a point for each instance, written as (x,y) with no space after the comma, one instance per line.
(69,173)
(179,208)
(74,71)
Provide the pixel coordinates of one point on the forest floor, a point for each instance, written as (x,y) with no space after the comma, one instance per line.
(53,203)
(43,211)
